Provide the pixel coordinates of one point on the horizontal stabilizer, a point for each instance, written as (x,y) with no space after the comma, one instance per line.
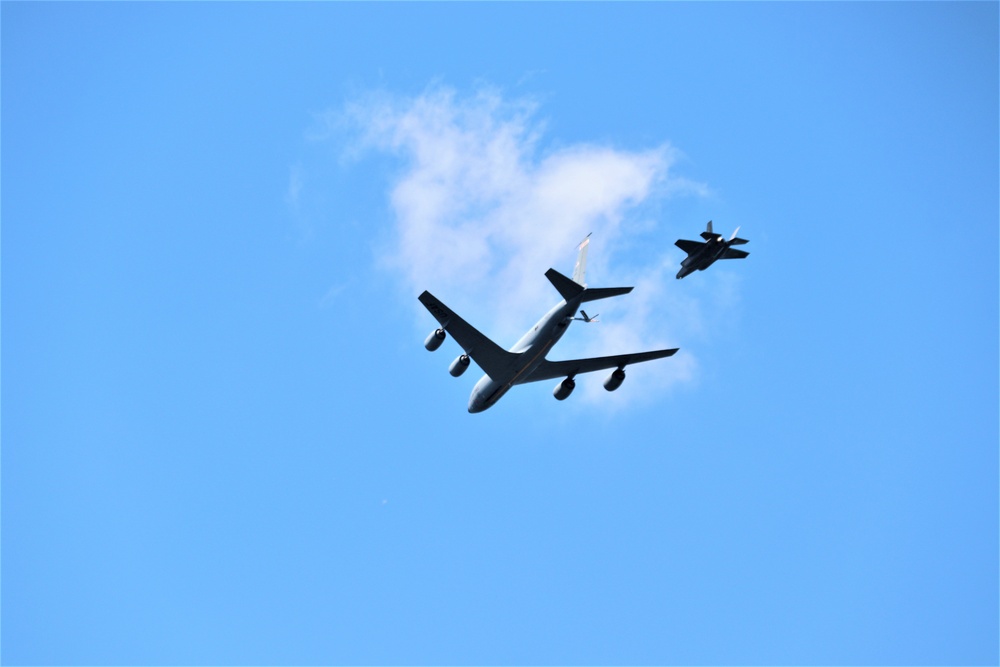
(708,236)
(738,242)
(733,253)
(569,289)
(603,293)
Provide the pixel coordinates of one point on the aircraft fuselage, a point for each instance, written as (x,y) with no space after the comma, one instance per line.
(711,251)
(532,348)
(526,360)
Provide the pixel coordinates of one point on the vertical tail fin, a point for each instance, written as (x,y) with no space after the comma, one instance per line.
(580,270)
(708,234)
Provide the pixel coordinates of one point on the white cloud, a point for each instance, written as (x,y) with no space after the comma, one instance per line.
(482,210)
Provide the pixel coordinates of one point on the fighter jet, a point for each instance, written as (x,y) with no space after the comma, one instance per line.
(703,255)
(525,361)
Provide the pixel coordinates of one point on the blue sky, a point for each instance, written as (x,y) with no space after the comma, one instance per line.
(224,443)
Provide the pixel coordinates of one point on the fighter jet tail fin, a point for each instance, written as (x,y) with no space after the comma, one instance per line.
(708,234)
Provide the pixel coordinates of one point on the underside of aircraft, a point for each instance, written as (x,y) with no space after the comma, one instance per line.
(526,360)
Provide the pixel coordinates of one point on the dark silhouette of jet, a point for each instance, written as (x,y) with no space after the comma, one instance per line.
(703,255)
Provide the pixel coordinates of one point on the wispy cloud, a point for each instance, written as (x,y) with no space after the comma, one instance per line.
(482,208)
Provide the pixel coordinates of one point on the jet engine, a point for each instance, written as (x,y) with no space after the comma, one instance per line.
(434,341)
(564,389)
(459,366)
(614,380)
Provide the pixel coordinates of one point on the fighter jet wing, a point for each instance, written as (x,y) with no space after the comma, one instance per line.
(548,370)
(493,359)
(689,247)
(733,253)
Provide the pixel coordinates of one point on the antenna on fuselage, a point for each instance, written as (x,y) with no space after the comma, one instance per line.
(580,270)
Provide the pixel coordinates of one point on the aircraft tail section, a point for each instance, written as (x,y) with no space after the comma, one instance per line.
(708,234)
(604,293)
(580,270)
(570,289)
(733,253)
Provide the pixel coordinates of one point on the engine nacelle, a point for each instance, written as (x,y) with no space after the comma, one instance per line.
(434,341)
(564,389)
(459,366)
(614,380)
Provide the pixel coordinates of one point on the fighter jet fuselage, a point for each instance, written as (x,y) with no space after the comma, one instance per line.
(704,258)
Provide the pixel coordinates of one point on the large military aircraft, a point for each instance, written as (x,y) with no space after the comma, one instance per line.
(525,361)
(703,255)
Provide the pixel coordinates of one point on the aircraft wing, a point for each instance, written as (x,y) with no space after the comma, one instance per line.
(493,359)
(689,247)
(548,370)
(733,253)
